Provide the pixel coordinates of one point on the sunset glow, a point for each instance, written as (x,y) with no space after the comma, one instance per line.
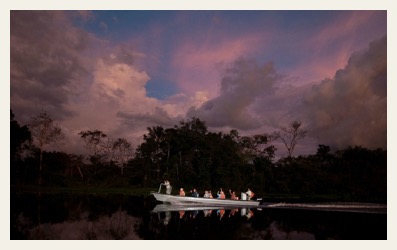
(254,71)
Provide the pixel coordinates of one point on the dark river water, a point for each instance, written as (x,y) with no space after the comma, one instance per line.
(121,217)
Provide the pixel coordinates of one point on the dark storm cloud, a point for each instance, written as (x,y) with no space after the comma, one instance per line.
(47,68)
(90,83)
(348,110)
(242,84)
(158,118)
(351,109)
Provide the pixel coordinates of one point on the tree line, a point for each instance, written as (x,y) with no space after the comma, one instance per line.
(190,156)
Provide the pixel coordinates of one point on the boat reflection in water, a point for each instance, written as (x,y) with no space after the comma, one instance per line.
(111,217)
(188,211)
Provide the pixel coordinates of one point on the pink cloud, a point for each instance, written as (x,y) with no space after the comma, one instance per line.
(350,109)
(331,48)
(197,67)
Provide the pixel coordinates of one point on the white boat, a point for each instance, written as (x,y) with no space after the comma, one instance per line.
(188,200)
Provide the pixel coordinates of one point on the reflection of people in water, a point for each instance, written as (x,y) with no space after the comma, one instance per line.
(167,218)
(249,214)
(233,211)
(181,214)
(221,213)
(194,213)
(207,213)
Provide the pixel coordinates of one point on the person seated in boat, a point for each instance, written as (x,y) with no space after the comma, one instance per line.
(206,194)
(233,195)
(182,192)
(168,186)
(194,193)
(221,194)
(210,194)
(250,194)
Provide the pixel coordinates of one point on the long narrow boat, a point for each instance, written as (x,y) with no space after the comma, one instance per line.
(187,200)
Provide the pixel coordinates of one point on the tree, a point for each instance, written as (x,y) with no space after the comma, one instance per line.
(290,135)
(45,131)
(94,140)
(153,151)
(121,152)
(257,146)
(18,136)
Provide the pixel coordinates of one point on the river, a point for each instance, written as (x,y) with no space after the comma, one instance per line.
(122,217)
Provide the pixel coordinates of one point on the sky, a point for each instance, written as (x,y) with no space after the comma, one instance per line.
(255,71)
(123,71)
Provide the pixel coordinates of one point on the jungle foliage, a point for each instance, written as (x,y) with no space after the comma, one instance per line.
(191,156)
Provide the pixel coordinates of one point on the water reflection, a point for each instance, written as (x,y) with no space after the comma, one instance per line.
(132,217)
(179,222)
(63,217)
(193,211)
(118,225)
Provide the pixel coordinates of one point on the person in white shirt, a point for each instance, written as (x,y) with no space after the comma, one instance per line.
(250,194)
(168,187)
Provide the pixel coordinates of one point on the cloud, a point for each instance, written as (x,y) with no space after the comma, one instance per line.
(158,117)
(116,89)
(242,84)
(82,81)
(46,65)
(197,64)
(317,51)
(88,83)
(350,109)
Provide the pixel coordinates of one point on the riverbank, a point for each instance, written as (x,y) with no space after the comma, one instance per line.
(83,190)
(145,191)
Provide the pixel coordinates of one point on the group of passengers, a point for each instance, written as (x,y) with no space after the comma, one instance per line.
(207,193)
(219,195)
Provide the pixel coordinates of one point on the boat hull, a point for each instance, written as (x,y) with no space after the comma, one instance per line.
(186,200)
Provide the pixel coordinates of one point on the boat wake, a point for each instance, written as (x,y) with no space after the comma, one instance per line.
(341,207)
(347,207)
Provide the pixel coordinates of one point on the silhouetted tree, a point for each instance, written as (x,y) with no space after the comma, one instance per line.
(94,140)
(45,131)
(122,151)
(18,136)
(290,135)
